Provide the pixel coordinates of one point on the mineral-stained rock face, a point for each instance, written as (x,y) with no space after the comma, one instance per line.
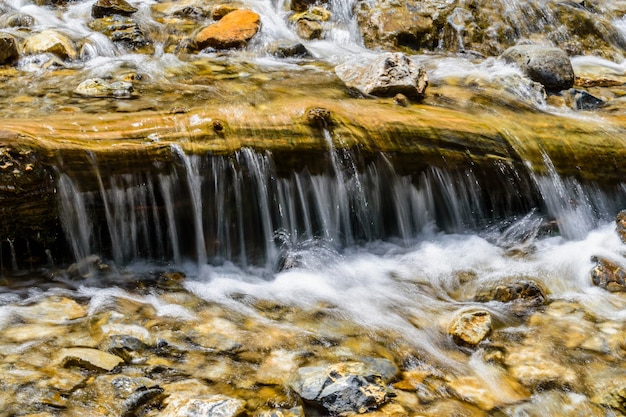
(548,66)
(387,75)
(232,31)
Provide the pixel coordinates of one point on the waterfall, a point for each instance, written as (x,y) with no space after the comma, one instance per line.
(237,208)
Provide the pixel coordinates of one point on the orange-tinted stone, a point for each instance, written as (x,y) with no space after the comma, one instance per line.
(233,31)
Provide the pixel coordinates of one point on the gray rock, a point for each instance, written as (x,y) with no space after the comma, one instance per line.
(121,29)
(387,75)
(582,100)
(343,388)
(546,65)
(288,50)
(8,49)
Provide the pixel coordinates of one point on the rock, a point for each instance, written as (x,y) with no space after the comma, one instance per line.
(611,392)
(285,49)
(129,348)
(55,309)
(309,29)
(582,100)
(16,20)
(232,31)
(496,391)
(8,49)
(343,388)
(92,359)
(218,11)
(608,275)
(316,14)
(115,395)
(171,281)
(387,75)
(303,5)
(528,292)
(53,42)
(620,223)
(97,87)
(91,264)
(121,29)
(470,328)
(535,367)
(102,8)
(282,412)
(277,368)
(318,117)
(181,405)
(546,65)
(555,404)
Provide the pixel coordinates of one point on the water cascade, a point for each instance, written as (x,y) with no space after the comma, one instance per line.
(245,230)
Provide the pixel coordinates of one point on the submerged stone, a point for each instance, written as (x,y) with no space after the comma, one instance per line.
(387,75)
(97,87)
(91,359)
(202,406)
(234,30)
(546,65)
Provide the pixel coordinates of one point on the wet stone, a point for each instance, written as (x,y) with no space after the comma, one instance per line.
(53,42)
(342,389)
(546,65)
(470,328)
(16,20)
(234,30)
(387,75)
(288,50)
(608,275)
(309,29)
(121,29)
(102,8)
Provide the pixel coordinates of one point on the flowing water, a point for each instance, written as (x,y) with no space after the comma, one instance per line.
(362,259)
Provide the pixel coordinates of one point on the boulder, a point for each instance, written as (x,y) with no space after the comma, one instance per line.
(546,65)
(53,42)
(8,49)
(470,328)
(232,31)
(608,275)
(286,49)
(387,75)
(343,388)
(620,223)
(103,8)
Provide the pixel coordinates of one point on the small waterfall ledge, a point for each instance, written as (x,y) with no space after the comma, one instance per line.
(501,152)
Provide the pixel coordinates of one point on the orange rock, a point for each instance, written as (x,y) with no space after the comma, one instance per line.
(233,31)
